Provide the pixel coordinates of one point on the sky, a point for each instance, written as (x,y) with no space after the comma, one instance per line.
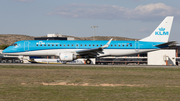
(124,18)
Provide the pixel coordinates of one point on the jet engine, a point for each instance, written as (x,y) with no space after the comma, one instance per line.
(67,56)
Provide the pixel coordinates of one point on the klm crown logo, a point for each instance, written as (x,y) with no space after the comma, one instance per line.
(161,32)
(162,29)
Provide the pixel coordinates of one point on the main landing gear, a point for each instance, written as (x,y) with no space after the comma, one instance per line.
(88,61)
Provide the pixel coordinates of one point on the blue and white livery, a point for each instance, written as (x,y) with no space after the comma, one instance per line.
(70,50)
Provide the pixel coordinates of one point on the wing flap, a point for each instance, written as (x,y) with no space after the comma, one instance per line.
(89,51)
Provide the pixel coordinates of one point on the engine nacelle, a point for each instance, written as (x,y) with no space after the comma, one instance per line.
(67,56)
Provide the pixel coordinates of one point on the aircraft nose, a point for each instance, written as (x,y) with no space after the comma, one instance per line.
(7,50)
(4,51)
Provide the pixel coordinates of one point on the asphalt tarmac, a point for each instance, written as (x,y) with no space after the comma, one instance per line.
(77,65)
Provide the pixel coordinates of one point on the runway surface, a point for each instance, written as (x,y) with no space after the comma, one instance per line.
(77,65)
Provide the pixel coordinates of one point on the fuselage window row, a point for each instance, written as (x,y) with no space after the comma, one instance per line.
(80,45)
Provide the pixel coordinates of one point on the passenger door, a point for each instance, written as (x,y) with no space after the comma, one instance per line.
(26,46)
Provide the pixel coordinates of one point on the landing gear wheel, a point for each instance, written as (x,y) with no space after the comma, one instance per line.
(88,61)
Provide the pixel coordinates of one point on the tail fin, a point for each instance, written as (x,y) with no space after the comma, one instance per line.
(162,32)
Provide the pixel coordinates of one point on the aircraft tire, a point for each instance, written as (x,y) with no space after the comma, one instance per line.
(88,61)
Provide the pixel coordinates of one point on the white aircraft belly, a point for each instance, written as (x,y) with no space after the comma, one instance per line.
(106,52)
(124,51)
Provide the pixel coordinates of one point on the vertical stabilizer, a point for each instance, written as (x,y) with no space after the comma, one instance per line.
(162,32)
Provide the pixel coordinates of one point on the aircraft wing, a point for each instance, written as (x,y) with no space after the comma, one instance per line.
(91,53)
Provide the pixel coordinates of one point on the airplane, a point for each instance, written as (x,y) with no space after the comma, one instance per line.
(69,50)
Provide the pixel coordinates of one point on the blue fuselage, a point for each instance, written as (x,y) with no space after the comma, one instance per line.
(52,47)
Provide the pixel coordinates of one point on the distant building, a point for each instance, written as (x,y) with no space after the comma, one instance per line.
(54,37)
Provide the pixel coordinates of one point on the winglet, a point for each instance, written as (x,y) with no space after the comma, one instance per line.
(107,44)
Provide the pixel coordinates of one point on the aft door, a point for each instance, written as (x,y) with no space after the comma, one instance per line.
(136,46)
(26,46)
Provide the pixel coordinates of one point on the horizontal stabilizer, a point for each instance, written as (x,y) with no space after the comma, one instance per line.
(166,44)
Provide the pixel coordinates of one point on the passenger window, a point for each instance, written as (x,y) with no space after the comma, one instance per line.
(41,45)
(101,45)
(44,44)
(81,45)
(56,44)
(72,45)
(85,45)
(52,44)
(119,45)
(115,45)
(123,45)
(48,44)
(126,45)
(111,45)
(36,44)
(60,44)
(68,45)
(93,45)
(97,45)
(64,45)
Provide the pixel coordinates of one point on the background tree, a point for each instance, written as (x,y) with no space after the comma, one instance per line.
(2,47)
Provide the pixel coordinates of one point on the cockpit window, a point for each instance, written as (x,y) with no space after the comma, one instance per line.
(15,44)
